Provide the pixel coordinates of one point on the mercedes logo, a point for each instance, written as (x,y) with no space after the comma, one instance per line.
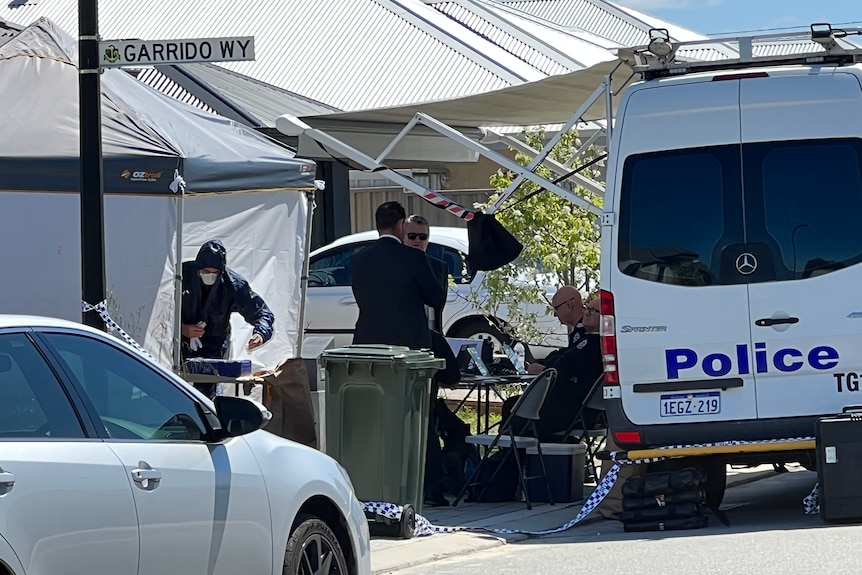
(746,263)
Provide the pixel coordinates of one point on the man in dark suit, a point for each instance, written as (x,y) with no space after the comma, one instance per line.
(417,231)
(392,284)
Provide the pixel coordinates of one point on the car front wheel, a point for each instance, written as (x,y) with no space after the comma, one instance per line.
(313,549)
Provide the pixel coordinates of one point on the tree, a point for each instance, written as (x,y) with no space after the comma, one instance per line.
(561,240)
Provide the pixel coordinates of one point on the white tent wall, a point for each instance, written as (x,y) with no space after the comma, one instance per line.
(264,234)
(41,235)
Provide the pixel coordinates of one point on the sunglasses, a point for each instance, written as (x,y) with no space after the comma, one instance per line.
(416,236)
(562,303)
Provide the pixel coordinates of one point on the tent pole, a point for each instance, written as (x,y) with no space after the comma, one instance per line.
(303,280)
(178,289)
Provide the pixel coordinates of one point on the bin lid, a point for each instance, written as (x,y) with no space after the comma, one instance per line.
(559,449)
(385,354)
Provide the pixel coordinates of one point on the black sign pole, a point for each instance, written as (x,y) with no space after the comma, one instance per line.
(92,205)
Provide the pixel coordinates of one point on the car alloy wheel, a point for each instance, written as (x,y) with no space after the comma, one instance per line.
(313,549)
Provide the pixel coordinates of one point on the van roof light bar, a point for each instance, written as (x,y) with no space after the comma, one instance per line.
(820,44)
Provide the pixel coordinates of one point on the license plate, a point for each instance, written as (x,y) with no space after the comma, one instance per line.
(679,404)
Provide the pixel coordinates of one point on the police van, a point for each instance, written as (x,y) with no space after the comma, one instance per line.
(731,245)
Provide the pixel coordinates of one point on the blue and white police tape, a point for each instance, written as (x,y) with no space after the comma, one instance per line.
(102,309)
(424,527)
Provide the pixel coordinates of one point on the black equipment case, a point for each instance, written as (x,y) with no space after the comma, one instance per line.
(839,466)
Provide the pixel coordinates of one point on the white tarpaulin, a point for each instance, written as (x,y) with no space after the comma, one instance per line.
(264,233)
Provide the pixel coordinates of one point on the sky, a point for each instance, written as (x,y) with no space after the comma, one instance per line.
(713,17)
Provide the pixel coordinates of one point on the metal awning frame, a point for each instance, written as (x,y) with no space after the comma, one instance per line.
(293,126)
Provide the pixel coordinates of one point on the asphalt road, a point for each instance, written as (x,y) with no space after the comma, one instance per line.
(769,534)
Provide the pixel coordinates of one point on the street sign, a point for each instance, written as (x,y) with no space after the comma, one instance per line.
(116,53)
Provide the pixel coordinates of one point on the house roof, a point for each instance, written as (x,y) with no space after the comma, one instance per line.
(230,94)
(617,23)
(358,54)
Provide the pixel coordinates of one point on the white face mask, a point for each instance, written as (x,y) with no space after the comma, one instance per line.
(209,279)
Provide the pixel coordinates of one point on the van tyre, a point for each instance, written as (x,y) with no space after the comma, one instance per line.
(313,549)
(716,480)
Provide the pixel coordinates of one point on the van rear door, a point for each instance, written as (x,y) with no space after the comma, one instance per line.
(802,160)
(681,315)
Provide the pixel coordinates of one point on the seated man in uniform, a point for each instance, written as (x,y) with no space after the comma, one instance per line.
(578,366)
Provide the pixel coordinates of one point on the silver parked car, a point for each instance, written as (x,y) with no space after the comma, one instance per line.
(111,464)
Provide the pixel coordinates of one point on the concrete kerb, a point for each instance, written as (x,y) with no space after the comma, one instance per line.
(401,554)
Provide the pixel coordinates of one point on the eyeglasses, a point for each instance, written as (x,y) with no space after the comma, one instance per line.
(414,236)
(591,310)
(562,303)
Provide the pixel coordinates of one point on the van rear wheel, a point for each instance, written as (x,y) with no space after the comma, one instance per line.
(716,479)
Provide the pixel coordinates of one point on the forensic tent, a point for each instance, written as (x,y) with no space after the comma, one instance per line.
(174,177)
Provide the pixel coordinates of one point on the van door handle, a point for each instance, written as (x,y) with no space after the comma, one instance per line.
(770,321)
(347,301)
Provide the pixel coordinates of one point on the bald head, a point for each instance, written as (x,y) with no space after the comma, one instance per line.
(568,305)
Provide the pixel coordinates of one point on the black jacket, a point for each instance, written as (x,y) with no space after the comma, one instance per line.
(578,367)
(214,304)
(392,284)
(441,270)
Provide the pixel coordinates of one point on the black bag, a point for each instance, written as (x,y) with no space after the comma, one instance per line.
(693,495)
(695,522)
(505,483)
(663,482)
(491,245)
(673,511)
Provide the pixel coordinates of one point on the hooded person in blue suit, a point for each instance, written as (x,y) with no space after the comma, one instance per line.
(211,293)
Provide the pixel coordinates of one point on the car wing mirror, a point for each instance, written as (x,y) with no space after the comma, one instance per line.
(240,416)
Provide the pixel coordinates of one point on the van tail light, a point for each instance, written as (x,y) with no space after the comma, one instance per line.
(608,334)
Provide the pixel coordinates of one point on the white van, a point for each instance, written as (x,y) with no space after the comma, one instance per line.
(731,250)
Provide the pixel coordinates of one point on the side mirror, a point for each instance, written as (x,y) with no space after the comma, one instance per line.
(240,416)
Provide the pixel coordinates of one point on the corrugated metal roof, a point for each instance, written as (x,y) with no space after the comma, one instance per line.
(250,101)
(551,48)
(779,48)
(619,24)
(355,54)
(352,55)
(157,80)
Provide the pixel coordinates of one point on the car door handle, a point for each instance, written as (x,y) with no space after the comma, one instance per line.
(141,475)
(770,321)
(6,479)
(347,301)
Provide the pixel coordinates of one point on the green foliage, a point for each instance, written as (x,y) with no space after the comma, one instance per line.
(561,240)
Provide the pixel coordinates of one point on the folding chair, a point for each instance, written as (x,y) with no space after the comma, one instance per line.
(580,430)
(526,408)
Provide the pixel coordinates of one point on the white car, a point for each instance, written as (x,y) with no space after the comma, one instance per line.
(331,309)
(111,464)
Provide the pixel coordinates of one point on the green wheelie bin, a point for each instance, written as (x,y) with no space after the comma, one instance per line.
(377,409)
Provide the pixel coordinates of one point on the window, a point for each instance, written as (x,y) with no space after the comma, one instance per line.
(32,401)
(333,267)
(132,400)
(678,210)
(803,200)
(455,261)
